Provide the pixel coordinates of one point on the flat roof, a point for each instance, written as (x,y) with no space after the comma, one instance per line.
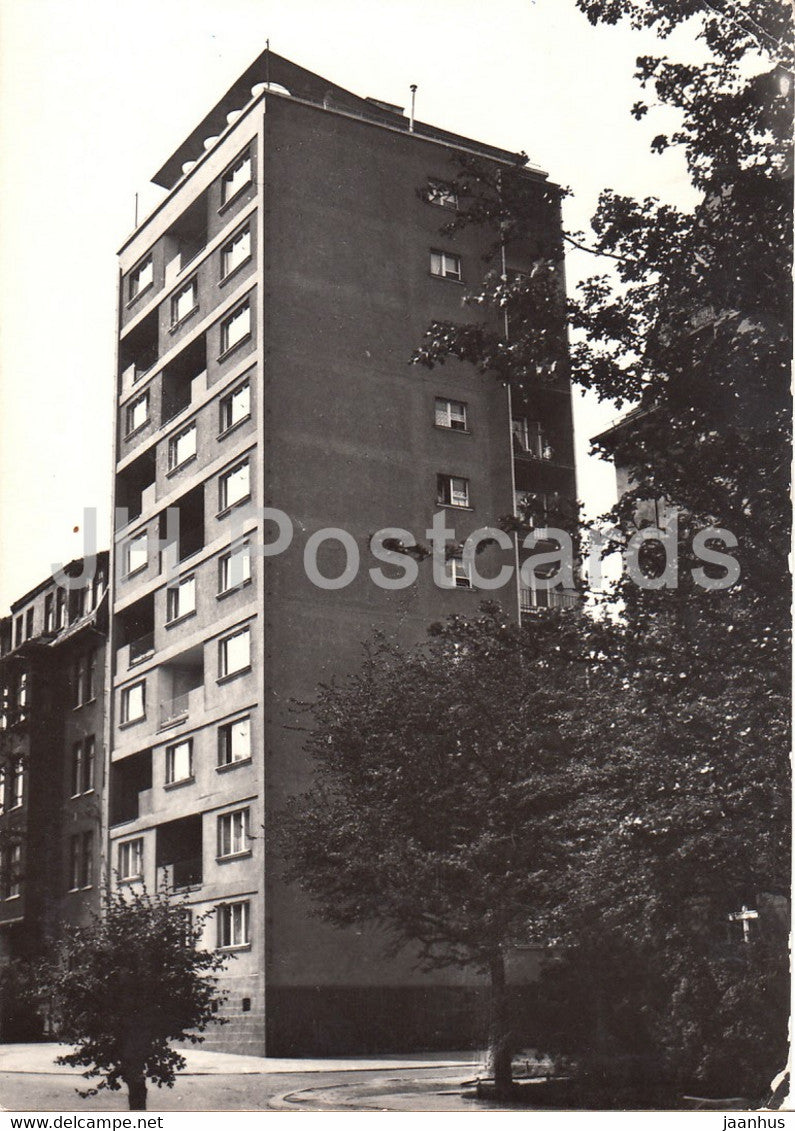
(273,69)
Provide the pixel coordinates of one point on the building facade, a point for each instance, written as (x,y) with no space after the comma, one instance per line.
(52,763)
(268,310)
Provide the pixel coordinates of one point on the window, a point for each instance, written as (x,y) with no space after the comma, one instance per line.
(184,302)
(233,833)
(181,599)
(451,414)
(133,703)
(452,491)
(527,437)
(89,760)
(235,407)
(141,278)
(234,653)
(236,328)
(137,553)
(179,762)
(442,193)
(17,784)
(18,632)
(81,861)
(22,694)
(49,613)
(234,485)
(236,177)
(234,742)
(236,252)
(97,585)
(182,447)
(233,924)
(3,789)
(131,859)
(77,769)
(28,624)
(60,608)
(91,676)
(138,413)
(446,265)
(234,568)
(79,681)
(11,865)
(459,572)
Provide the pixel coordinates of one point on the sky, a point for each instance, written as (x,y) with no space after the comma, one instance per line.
(95,94)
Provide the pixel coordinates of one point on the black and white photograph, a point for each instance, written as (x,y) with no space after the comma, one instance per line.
(395,593)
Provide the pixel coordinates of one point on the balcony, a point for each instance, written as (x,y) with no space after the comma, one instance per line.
(178,852)
(530,599)
(131,788)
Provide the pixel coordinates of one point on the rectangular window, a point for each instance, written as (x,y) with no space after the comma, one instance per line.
(234,742)
(452,491)
(81,860)
(184,302)
(233,833)
(131,859)
(451,414)
(236,177)
(233,924)
(28,624)
(91,676)
(141,277)
(17,784)
(77,769)
(182,447)
(446,265)
(22,694)
(49,613)
(18,631)
(236,252)
(89,763)
(179,762)
(60,609)
(3,789)
(442,193)
(234,568)
(236,328)
(459,572)
(137,413)
(181,599)
(11,867)
(137,553)
(79,681)
(133,703)
(87,874)
(236,406)
(234,653)
(234,485)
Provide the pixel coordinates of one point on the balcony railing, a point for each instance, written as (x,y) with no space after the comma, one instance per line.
(547,599)
(175,709)
(183,873)
(141,649)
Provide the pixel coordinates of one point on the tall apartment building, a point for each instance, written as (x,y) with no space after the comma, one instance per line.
(52,759)
(268,309)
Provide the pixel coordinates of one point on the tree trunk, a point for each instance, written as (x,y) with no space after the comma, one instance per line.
(500,1037)
(136,1091)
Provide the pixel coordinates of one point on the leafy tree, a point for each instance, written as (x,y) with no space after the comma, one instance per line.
(445,781)
(128,985)
(691,324)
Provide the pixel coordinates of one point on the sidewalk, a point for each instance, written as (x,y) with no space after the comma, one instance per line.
(38,1059)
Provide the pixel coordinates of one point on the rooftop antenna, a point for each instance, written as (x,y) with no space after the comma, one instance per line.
(413,89)
(267,62)
(136,210)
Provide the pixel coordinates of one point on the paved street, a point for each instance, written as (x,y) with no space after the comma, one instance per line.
(29,1081)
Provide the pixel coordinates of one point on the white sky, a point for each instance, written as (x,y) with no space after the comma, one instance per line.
(95,94)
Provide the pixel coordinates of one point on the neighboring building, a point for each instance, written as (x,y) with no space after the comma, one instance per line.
(52,723)
(268,309)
